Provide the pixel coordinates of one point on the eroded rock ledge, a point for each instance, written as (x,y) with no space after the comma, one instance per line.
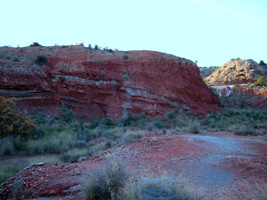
(101,83)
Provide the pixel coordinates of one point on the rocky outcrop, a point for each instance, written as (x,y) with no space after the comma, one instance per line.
(237,72)
(102,83)
(206,71)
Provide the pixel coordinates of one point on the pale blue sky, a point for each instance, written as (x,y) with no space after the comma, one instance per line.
(210,31)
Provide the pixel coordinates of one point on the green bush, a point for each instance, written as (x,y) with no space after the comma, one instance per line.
(106,183)
(109,50)
(262,63)
(15,59)
(158,123)
(12,122)
(35,44)
(126,77)
(40,60)
(261,81)
(67,113)
(233,59)
(125,57)
(171,115)
(96,47)
(176,111)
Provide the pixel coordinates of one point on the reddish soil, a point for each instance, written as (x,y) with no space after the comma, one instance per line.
(224,165)
(97,83)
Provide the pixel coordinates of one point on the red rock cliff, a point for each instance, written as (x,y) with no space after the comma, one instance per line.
(104,84)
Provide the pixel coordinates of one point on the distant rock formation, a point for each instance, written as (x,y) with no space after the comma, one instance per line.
(206,71)
(98,83)
(237,72)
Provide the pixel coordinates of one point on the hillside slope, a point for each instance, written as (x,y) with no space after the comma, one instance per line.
(236,72)
(102,83)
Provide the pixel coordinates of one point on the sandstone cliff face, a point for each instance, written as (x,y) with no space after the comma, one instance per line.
(97,83)
(238,71)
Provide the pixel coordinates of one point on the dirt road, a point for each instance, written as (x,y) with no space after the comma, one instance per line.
(222,164)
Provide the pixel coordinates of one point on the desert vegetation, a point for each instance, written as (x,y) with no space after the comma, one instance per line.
(112,182)
(62,138)
(261,81)
(41,60)
(262,63)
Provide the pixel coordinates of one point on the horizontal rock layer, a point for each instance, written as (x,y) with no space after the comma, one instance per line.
(97,83)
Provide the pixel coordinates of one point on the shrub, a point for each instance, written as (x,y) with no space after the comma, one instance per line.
(40,60)
(194,128)
(245,130)
(160,188)
(15,59)
(106,183)
(6,146)
(109,50)
(96,47)
(125,57)
(261,81)
(106,121)
(171,115)
(12,122)
(41,118)
(233,59)
(126,77)
(67,113)
(262,63)
(38,133)
(158,123)
(35,44)
(176,111)
(127,121)
(131,136)
(98,147)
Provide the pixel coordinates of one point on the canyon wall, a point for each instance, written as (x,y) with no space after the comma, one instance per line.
(98,83)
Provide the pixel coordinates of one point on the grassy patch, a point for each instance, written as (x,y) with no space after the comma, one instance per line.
(111,183)
(6,146)
(54,142)
(159,188)
(9,168)
(245,130)
(131,136)
(73,155)
(107,182)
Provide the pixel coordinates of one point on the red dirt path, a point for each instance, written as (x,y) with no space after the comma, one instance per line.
(227,166)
